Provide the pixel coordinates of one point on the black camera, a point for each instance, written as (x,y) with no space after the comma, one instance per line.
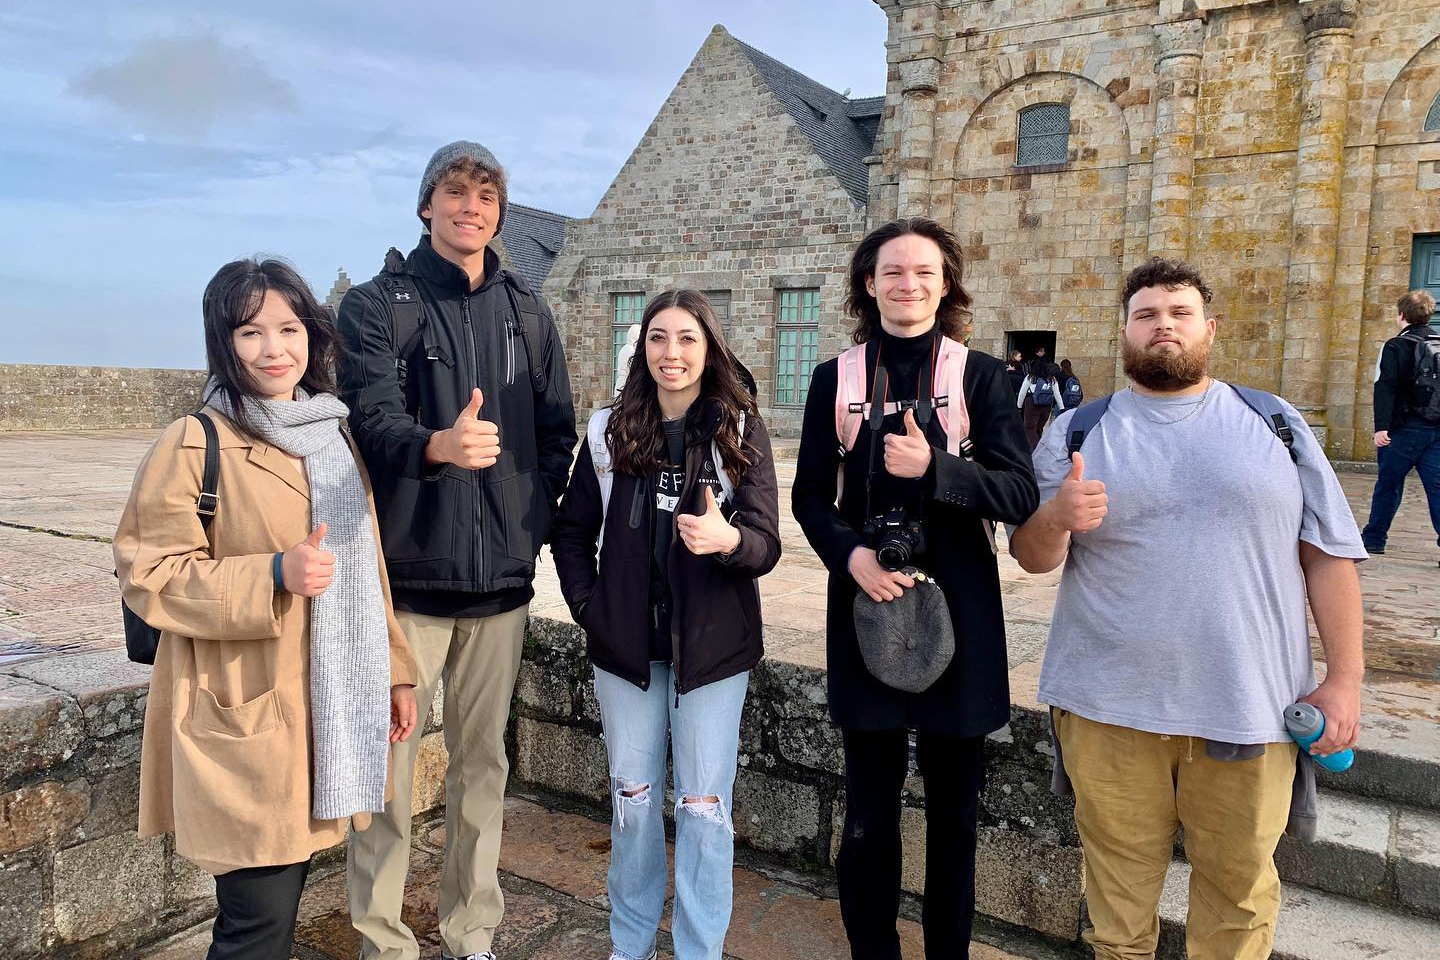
(896,539)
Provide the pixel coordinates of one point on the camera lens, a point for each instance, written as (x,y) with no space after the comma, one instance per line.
(893,554)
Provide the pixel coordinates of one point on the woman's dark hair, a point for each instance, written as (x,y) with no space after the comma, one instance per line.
(634,434)
(233,298)
(954,306)
(1066,369)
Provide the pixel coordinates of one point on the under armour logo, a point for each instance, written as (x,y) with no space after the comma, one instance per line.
(402,295)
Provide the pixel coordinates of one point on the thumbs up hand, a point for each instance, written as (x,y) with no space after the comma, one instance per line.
(908,454)
(708,533)
(471,444)
(1082,504)
(306,568)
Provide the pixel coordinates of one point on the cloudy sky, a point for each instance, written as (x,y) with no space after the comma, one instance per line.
(149,141)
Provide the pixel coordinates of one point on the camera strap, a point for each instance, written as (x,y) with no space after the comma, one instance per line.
(923,404)
(876,422)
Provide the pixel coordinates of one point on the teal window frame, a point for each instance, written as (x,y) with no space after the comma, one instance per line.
(625,309)
(797,344)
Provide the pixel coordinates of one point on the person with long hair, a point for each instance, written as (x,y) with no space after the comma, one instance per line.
(281,676)
(908,301)
(674,489)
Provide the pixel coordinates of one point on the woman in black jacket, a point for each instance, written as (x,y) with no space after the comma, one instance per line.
(675,490)
(905,292)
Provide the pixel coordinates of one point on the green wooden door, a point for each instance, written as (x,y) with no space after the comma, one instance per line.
(1425,270)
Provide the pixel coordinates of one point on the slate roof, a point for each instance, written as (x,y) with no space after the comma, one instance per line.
(533,239)
(841,130)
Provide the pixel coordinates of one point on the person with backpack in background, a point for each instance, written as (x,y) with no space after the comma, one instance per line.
(1071,393)
(670,518)
(461,407)
(1194,520)
(1407,418)
(281,676)
(1039,396)
(909,452)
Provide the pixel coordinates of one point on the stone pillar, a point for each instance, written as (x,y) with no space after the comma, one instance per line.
(915,51)
(920,83)
(1319,169)
(1177,86)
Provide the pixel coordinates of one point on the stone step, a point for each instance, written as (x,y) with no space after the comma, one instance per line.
(1314,925)
(1369,850)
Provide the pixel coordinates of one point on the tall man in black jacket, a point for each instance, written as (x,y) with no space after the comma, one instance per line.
(467,437)
(1407,428)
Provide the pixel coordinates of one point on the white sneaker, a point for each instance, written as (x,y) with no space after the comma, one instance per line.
(654,951)
(487,955)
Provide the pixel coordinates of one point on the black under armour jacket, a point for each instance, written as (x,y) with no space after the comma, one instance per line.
(1395,376)
(446,530)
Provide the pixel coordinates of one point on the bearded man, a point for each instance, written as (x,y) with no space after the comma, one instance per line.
(1191,542)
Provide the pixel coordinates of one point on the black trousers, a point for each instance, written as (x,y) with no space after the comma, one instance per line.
(868,868)
(257,912)
(1035,418)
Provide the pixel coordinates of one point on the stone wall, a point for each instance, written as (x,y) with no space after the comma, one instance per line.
(76,880)
(45,397)
(723,192)
(789,794)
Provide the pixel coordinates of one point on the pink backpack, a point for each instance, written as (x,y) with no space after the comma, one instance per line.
(852,404)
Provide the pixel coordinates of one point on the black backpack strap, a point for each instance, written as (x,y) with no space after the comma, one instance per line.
(1082,421)
(528,312)
(209,499)
(402,297)
(1267,407)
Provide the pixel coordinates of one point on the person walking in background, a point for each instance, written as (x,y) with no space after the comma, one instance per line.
(462,410)
(1015,370)
(1072,394)
(1039,396)
(281,676)
(1407,418)
(671,611)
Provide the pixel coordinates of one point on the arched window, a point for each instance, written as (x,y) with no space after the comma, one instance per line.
(1432,119)
(1044,135)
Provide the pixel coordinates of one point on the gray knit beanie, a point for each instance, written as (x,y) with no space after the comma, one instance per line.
(447,155)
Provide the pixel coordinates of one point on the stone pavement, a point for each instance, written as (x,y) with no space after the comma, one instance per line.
(553,871)
(61,494)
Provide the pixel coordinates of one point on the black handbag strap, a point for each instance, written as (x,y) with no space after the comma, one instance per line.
(209,500)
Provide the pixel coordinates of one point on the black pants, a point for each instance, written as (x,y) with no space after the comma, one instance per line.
(1035,418)
(868,868)
(257,912)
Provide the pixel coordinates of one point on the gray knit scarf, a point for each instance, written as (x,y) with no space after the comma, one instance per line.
(349,637)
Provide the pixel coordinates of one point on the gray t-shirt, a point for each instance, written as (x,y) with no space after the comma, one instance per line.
(1184,612)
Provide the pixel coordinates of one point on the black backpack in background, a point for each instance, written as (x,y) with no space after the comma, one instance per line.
(141,639)
(1425,388)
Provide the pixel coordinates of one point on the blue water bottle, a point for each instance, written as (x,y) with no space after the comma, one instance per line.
(1306,724)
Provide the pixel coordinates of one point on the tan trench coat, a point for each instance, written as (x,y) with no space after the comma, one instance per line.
(226,757)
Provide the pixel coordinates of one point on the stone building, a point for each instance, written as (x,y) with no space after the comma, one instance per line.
(1290,148)
(751,185)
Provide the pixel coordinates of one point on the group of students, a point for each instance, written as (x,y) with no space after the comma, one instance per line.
(386,486)
(1042,389)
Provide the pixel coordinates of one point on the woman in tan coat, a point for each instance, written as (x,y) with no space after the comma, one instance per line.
(282,676)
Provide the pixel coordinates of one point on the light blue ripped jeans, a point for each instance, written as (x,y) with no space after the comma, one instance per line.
(704,731)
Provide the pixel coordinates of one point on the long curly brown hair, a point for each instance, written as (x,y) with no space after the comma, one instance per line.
(634,433)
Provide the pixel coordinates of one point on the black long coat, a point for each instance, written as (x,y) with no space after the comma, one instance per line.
(972,697)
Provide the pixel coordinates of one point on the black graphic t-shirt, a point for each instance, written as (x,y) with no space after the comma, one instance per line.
(669,480)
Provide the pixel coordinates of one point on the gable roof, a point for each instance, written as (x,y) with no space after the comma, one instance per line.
(533,239)
(841,130)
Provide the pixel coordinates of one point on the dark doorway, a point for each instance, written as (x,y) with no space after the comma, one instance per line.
(1028,341)
(1425,269)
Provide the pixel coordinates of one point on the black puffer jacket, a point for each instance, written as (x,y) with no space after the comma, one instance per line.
(445,528)
(715,622)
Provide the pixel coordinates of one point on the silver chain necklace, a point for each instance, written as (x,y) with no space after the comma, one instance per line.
(1194,407)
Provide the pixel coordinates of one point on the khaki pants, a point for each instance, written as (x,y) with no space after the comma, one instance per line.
(1132,791)
(480,659)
